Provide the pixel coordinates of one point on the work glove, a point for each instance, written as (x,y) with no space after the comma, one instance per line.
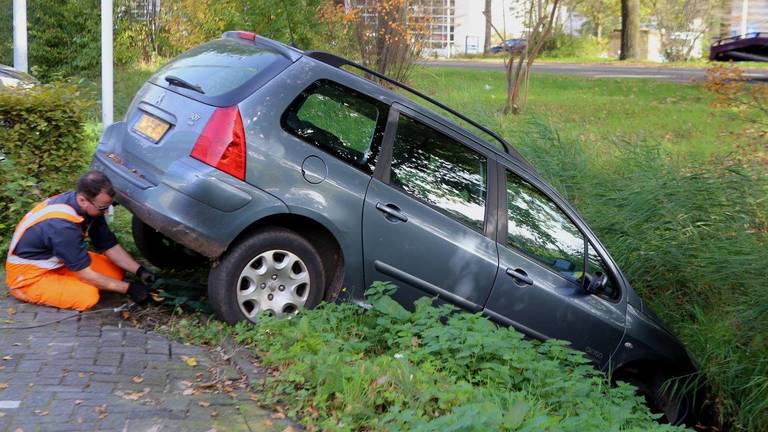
(146,276)
(138,292)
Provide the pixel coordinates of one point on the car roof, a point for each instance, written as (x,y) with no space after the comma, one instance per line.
(390,96)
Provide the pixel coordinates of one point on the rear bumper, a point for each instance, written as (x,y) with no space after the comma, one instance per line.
(193,204)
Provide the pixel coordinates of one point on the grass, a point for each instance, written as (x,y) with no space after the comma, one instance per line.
(592,111)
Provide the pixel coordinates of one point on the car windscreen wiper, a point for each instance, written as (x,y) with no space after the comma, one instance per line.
(178,82)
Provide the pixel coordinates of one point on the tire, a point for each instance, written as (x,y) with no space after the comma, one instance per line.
(161,251)
(274,270)
(675,412)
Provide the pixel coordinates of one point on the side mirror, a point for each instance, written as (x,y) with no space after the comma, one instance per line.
(595,284)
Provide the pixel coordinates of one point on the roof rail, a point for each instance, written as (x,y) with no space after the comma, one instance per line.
(336,61)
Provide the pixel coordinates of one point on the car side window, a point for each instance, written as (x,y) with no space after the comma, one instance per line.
(340,121)
(539,229)
(596,264)
(440,171)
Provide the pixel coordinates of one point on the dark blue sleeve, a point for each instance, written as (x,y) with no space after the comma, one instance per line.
(66,242)
(101,236)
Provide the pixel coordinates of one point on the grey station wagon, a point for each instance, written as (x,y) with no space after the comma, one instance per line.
(304,182)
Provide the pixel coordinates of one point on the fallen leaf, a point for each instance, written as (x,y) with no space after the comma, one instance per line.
(204,404)
(188,392)
(137,379)
(78,402)
(101,410)
(41,412)
(7,358)
(2,367)
(81,374)
(2,414)
(214,413)
(19,430)
(277,416)
(186,383)
(253,397)
(3,386)
(135,395)
(190,361)
(11,310)
(289,429)
(17,344)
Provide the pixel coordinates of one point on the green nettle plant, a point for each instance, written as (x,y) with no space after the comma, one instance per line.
(340,367)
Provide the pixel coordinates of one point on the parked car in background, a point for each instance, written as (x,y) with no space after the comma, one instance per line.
(509,45)
(11,78)
(303,182)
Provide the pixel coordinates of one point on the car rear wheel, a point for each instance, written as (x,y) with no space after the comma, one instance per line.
(161,251)
(274,271)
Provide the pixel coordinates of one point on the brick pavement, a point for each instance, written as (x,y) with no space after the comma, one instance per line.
(97,373)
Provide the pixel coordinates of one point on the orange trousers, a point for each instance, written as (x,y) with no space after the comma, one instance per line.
(62,288)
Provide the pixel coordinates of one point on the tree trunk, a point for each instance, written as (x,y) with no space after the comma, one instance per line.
(630,29)
(487,12)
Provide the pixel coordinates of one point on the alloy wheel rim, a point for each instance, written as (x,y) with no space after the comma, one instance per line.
(274,282)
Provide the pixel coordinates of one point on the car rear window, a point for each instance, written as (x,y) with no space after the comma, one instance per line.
(226,70)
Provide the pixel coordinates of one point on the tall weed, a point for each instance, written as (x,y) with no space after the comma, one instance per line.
(691,239)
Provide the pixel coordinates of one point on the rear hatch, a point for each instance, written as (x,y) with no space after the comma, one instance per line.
(173,109)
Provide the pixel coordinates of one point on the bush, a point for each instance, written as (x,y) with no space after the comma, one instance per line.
(564,46)
(43,137)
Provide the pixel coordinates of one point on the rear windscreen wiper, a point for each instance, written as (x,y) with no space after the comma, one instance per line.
(178,82)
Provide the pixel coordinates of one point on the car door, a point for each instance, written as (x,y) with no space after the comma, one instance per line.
(429,214)
(540,285)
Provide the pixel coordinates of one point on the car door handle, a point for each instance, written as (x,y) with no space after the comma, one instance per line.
(392,212)
(520,276)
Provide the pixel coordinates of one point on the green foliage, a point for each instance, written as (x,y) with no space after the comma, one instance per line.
(44,139)
(64,38)
(344,368)
(561,45)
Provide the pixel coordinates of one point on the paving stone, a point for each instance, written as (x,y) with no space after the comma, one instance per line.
(37,399)
(70,368)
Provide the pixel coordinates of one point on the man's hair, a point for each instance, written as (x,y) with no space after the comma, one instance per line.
(92,183)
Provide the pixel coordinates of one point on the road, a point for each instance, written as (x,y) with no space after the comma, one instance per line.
(673,74)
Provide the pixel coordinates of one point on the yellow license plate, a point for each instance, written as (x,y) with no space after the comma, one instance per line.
(151,127)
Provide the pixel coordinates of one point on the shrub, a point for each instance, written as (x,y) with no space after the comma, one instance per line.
(564,46)
(43,137)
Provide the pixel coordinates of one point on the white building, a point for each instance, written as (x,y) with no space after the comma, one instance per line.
(457,27)
(748,16)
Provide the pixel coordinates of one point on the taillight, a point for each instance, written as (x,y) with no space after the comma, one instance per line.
(246,35)
(222,143)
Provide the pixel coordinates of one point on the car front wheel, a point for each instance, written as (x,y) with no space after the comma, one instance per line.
(274,271)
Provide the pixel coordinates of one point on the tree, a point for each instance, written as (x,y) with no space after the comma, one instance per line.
(391,35)
(488,20)
(601,14)
(683,24)
(630,30)
(540,19)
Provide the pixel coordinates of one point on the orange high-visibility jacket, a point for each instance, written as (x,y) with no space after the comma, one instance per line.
(21,272)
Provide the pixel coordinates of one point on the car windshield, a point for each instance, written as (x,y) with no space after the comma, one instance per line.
(219,68)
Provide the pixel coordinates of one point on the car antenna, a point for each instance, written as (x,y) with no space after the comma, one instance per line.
(290,30)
